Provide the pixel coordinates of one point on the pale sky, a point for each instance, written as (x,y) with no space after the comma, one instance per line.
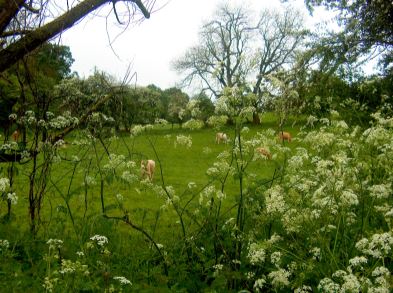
(150,46)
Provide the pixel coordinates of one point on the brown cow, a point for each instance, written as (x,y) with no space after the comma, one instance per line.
(264,152)
(15,135)
(283,135)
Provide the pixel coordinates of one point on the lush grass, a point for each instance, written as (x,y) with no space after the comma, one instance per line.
(64,214)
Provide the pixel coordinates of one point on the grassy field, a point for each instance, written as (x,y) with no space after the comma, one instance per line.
(72,211)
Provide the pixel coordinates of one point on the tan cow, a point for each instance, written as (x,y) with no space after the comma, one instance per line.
(283,135)
(221,137)
(15,135)
(147,169)
(264,152)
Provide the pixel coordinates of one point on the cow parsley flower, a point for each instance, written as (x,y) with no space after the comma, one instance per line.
(89,181)
(136,130)
(351,284)
(259,283)
(279,278)
(217,269)
(357,261)
(380,271)
(4,245)
(12,197)
(183,140)
(12,116)
(328,285)
(303,289)
(69,267)
(54,243)
(275,202)
(122,280)
(316,253)
(49,284)
(380,191)
(379,246)
(256,254)
(4,184)
(275,258)
(101,240)
(129,177)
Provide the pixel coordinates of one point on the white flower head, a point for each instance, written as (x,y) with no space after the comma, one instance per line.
(101,240)
(122,280)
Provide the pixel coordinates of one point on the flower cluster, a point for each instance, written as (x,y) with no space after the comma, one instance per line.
(101,240)
(183,140)
(4,184)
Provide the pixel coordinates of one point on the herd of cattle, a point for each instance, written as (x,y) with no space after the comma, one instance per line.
(148,166)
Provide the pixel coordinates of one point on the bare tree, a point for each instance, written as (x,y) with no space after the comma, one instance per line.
(25,25)
(234,52)
(219,61)
(279,37)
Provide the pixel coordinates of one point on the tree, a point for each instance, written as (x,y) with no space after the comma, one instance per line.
(367,31)
(219,59)
(205,106)
(24,25)
(224,57)
(177,105)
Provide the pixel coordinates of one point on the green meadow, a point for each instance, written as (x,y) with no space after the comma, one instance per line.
(215,217)
(72,209)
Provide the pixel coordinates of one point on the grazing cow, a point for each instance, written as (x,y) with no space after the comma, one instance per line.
(147,169)
(221,137)
(264,152)
(15,135)
(283,135)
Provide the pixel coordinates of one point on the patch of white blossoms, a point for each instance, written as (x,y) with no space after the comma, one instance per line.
(183,140)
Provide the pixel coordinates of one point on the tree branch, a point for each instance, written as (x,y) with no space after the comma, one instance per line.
(32,40)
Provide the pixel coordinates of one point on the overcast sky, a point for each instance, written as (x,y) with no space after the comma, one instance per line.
(150,46)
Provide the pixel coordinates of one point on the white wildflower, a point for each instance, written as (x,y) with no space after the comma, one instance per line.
(12,197)
(4,184)
(328,285)
(303,289)
(258,285)
(12,116)
(275,258)
(122,280)
(279,278)
(183,141)
(89,181)
(256,254)
(275,202)
(217,269)
(129,177)
(136,130)
(380,271)
(4,244)
(54,243)
(357,261)
(381,191)
(316,253)
(101,240)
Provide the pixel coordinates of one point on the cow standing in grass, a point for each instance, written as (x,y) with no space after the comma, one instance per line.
(147,169)
(15,135)
(283,135)
(221,137)
(264,152)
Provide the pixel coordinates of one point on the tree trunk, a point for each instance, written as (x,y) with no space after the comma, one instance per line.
(255,118)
